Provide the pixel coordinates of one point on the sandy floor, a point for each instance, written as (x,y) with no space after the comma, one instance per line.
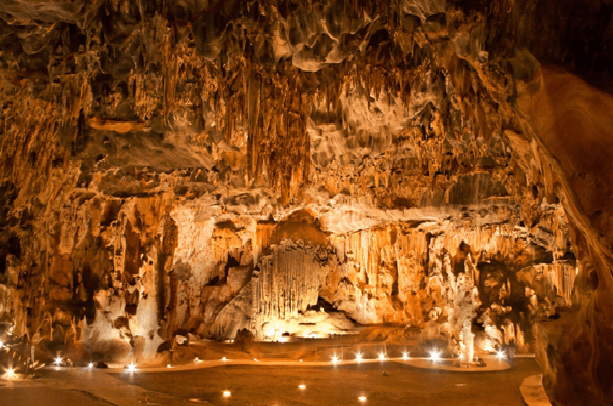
(44,396)
(339,385)
(382,383)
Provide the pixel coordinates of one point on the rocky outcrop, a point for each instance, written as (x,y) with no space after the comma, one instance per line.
(205,167)
(574,350)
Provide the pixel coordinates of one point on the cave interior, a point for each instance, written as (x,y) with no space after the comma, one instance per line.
(409,173)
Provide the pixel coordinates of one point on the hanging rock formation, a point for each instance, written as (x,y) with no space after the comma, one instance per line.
(175,168)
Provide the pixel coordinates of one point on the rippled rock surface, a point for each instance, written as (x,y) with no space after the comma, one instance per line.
(177,168)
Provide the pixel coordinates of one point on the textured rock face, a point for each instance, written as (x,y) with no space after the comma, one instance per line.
(201,167)
(577,346)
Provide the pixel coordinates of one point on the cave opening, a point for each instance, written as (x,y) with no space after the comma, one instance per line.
(322,305)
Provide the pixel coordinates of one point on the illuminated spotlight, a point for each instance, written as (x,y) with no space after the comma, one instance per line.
(300,360)
(405,355)
(227,394)
(168,366)
(255,360)
(302,387)
(435,356)
(358,356)
(224,359)
(131,367)
(500,354)
(58,361)
(90,365)
(381,356)
(196,359)
(10,373)
(362,398)
(335,360)
(461,356)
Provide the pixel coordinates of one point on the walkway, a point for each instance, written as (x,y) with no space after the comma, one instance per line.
(533,392)
(447,364)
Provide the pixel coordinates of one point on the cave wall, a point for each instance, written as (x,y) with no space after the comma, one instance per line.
(570,129)
(201,167)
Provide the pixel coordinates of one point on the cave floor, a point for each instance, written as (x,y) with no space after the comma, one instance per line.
(340,385)
(274,385)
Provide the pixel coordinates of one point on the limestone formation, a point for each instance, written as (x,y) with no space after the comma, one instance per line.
(194,168)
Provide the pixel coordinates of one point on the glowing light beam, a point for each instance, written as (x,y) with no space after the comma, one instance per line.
(435,356)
